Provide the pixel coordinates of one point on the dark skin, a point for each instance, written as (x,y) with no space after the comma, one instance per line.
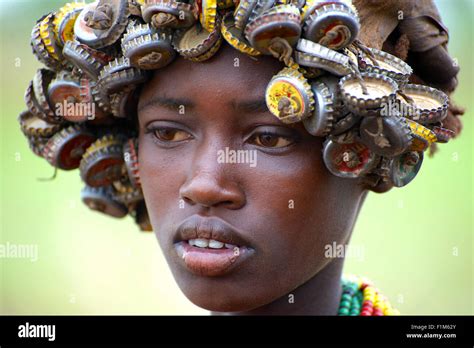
(289,206)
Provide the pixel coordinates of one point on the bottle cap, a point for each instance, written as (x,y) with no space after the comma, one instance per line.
(311,54)
(102,162)
(422,137)
(208,54)
(345,123)
(281,21)
(350,160)
(260,7)
(64,150)
(40,50)
(322,119)
(71,98)
(64,22)
(100,24)
(334,25)
(242,13)
(82,58)
(116,65)
(101,99)
(127,194)
(120,102)
(150,51)
(32,103)
(383,167)
(235,38)
(196,41)
(385,64)
(35,109)
(380,91)
(168,14)
(332,83)
(429,104)
(33,126)
(289,96)
(298,3)
(136,28)
(387,136)
(348,137)
(119,74)
(443,135)
(100,116)
(130,156)
(100,199)
(135,7)
(41,81)
(225,4)
(208,15)
(37,145)
(405,167)
(312,5)
(47,34)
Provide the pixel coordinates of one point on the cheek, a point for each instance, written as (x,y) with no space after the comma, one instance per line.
(161,174)
(301,209)
(291,189)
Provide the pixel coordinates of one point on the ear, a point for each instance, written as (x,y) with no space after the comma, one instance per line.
(382,187)
(375,183)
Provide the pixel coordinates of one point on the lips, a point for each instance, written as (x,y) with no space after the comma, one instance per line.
(208,246)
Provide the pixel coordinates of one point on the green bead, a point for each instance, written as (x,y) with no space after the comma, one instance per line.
(343,311)
(345,303)
(346,297)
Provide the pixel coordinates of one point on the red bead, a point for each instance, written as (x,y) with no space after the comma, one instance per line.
(367,304)
(378,312)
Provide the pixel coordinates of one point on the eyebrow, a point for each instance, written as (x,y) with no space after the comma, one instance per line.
(250,106)
(166,102)
(245,106)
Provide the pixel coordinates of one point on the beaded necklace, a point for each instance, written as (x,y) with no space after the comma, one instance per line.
(360,297)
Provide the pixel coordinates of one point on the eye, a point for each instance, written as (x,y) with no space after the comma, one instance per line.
(169,134)
(270,140)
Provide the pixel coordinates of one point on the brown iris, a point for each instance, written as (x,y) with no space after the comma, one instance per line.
(271,140)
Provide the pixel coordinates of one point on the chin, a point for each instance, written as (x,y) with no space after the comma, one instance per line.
(220,294)
(219,300)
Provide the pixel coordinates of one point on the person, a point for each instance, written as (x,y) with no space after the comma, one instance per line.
(241,175)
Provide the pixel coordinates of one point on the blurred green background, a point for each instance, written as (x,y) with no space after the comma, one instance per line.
(417,241)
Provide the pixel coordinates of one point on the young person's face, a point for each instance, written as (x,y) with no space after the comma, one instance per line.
(280,211)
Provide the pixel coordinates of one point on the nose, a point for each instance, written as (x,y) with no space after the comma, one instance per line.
(211,184)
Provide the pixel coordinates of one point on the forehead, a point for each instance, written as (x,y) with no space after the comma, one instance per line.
(228,73)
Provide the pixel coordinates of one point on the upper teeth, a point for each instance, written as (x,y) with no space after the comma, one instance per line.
(209,243)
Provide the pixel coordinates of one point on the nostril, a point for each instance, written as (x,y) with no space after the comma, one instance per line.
(212,192)
(188,200)
(228,203)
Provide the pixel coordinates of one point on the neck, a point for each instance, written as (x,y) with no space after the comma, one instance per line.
(320,295)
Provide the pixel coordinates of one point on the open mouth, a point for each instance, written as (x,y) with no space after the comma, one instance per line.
(209,246)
